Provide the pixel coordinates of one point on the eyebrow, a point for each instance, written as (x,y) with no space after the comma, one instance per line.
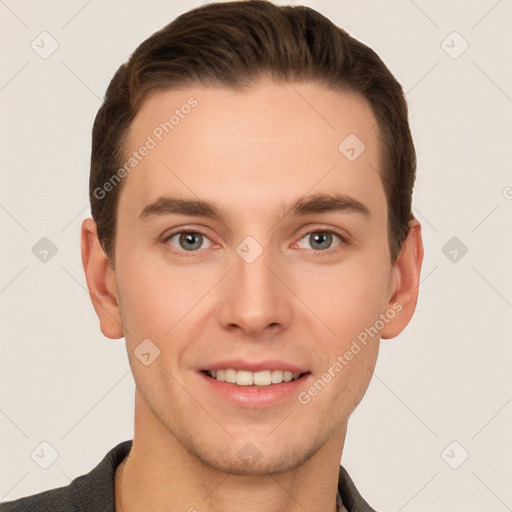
(317,203)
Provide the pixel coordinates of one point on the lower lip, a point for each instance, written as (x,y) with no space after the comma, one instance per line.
(255,396)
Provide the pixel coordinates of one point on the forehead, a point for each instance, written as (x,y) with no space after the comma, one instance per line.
(272,142)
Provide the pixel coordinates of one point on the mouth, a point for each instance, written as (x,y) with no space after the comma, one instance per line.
(262,378)
(254,383)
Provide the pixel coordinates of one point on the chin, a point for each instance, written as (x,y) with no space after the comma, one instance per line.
(258,463)
(259,457)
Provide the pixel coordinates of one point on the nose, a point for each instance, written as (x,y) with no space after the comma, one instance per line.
(254,299)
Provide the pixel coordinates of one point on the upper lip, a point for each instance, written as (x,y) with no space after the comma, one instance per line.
(255,366)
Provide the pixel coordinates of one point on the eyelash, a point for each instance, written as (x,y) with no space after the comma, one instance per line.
(343,238)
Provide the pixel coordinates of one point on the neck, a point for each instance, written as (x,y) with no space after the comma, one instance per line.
(160,474)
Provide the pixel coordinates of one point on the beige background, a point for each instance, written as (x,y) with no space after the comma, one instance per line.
(445,379)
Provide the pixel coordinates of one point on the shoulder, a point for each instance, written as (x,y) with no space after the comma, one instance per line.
(59,499)
(91,492)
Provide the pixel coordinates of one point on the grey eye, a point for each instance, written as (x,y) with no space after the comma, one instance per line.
(189,240)
(320,240)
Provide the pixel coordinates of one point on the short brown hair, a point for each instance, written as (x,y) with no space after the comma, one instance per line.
(233,44)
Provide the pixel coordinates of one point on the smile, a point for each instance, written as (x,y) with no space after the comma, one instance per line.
(247,378)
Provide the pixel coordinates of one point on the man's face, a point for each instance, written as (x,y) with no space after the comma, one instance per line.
(262,287)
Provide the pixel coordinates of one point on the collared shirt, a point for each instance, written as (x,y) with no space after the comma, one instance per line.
(94,492)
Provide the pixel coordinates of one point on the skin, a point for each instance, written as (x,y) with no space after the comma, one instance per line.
(252,153)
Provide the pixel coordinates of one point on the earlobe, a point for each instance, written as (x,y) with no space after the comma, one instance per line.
(100,281)
(407,272)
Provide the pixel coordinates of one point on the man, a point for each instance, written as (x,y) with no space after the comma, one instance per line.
(252,239)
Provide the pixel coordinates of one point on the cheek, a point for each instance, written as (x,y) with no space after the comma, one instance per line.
(160,303)
(152,311)
(346,299)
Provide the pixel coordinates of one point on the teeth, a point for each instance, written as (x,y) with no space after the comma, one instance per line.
(277,376)
(263,378)
(230,376)
(245,378)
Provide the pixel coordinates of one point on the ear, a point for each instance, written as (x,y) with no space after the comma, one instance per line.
(100,281)
(405,283)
